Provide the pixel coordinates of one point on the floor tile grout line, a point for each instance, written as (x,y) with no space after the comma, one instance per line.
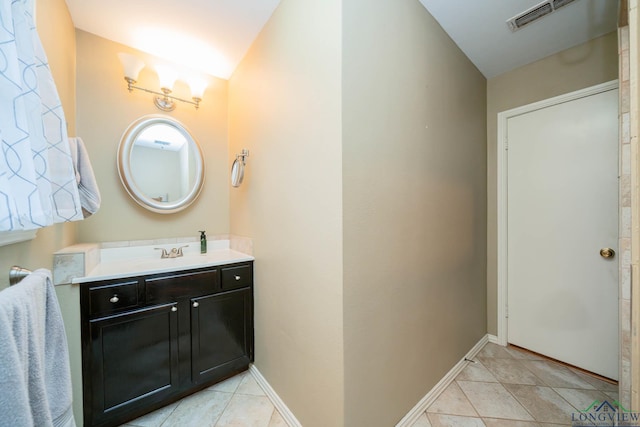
(543,383)
(570,404)
(485,367)
(549,387)
(171,413)
(508,391)
(554,364)
(467,397)
(243,374)
(556,375)
(524,366)
(207,390)
(201,391)
(582,374)
(519,362)
(522,362)
(455,380)
(271,417)
(226,406)
(510,419)
(574,369)
(236,393)
(514,396)
(455,415)
(522,404)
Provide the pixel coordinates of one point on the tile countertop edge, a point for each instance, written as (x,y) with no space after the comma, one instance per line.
(121,269)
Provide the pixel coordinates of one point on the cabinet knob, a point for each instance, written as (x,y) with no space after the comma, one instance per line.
(237,277)
(114,299)
(196,304)
(174,309)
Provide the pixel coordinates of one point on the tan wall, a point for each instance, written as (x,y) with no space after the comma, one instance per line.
(285,108)
(414,197)
(573,69)
(105,110)
(58,38)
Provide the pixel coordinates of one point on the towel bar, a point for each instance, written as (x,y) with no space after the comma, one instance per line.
(16,274)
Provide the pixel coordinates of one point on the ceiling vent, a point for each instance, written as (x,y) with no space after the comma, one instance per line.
(535,13)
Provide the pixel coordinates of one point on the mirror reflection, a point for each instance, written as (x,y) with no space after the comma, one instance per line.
(160,164)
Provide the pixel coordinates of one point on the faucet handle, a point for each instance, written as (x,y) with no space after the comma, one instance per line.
(180,250)
(164,253)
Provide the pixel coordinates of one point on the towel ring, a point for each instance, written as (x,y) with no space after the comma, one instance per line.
(16,274)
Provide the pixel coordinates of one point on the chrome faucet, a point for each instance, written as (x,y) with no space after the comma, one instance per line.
(173,253)
(164,253)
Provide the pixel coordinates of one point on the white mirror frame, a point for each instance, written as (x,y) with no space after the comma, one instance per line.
(126,176)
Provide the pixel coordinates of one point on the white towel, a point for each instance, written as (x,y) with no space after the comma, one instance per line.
(87,185)
(35,379)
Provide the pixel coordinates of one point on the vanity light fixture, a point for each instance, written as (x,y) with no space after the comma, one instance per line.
(164,100)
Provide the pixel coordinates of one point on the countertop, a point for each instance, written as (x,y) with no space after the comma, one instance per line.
(115,267)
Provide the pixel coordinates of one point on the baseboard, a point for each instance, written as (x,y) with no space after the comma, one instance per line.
(415,413)
(409,419)
(286,413)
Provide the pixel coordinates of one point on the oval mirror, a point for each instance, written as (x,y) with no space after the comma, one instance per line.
(160,164)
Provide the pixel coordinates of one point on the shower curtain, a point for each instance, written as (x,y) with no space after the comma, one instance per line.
(37,180)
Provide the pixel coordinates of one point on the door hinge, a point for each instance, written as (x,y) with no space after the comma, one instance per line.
(506,145)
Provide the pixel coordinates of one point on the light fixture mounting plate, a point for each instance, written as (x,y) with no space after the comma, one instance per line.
(165,104)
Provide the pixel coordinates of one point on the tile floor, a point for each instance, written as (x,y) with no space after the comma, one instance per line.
(507,387)
(238,402)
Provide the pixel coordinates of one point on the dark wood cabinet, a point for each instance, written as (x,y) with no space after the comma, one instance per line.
(221,334)
(150,340)
(134,360)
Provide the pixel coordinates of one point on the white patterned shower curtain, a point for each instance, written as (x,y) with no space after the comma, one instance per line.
(37,179)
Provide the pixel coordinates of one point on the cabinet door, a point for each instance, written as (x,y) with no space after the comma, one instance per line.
(133,362)
(221,334)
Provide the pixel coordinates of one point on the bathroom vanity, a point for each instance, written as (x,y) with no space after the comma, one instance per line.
(151,321)
(151,339)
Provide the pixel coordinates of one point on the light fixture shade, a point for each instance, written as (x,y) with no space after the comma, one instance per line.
(167,76)
(131,64)
(198,87)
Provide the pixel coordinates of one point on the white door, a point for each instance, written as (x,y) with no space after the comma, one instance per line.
(562,209)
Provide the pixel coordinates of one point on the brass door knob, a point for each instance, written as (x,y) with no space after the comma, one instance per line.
(607,253)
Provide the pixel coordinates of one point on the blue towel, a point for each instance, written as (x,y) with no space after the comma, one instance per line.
(85,178)
(35,379)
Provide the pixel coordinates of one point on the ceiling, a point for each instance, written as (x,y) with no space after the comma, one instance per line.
(479,28)
(212,36)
